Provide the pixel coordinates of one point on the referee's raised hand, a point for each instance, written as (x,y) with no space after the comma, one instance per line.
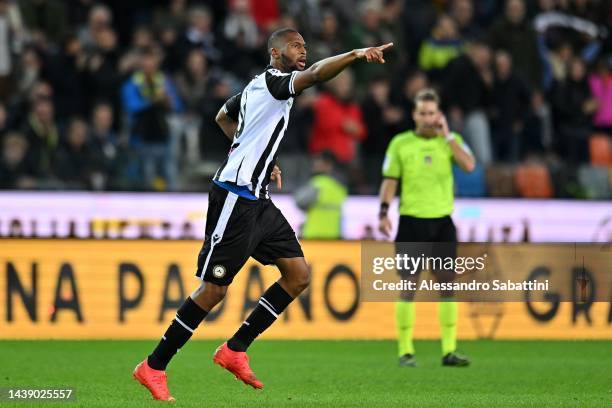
(374,54)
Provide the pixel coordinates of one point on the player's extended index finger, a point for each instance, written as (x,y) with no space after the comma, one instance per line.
(384,47)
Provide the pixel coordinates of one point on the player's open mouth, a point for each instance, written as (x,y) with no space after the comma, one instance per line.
(301,64)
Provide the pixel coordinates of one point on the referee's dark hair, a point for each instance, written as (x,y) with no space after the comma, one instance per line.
(274,41)
(427,95)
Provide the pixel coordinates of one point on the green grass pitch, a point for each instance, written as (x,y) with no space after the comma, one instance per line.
(322,373)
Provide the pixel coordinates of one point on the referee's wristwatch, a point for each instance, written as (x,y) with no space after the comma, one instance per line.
(384,209)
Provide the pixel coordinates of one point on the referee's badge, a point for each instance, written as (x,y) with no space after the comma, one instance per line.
(219,271)
(427,159)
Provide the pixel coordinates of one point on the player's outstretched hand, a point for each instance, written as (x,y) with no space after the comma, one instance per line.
(374,54)
(276,176)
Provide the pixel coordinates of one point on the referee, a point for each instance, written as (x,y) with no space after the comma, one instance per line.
(421,159)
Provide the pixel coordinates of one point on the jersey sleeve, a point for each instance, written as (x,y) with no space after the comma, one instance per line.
(280,84)
(232,106)
(461,143)
(392,166)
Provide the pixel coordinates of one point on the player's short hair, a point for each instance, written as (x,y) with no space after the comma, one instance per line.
(427,95)
(276,38)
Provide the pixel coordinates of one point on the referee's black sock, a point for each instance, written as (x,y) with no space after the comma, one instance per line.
(187,319)
(272,303)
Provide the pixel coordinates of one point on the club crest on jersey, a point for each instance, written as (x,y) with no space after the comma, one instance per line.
(218,271)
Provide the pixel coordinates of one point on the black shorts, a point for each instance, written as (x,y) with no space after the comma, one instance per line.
(413,229)
(440,232)
(237,228)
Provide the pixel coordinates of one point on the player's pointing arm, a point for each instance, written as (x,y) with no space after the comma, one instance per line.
(328,68)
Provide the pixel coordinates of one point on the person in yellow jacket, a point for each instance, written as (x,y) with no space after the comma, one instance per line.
(322,200)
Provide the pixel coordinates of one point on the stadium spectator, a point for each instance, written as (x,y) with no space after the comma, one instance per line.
(322,199)
(462,11)
(42,133)
(11,41)
(66,72)
(265,13)
(415,81)
(28,72)
(440,48)
(573,107)
(102,79)
(169,41)
(110,155)
(513,32)
(383,120)
(418,18)
(510,109)
(240,26)
(243,45)
(538,135)
(328,41)
(148,96)
(194,82)
(73,161)
(19,107)
(338,121)
(600,82)
(142,39)
(467,91)
(200,34)
(17,169)
(559,61)
(47,17)
(100,18)
(370,31)
(568,27)
(175,15)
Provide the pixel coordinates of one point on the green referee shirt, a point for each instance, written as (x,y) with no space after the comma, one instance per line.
(424,167)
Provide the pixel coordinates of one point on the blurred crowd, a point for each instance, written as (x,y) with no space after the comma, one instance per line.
(117,95)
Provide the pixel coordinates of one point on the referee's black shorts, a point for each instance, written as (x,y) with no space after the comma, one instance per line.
(428,230)
(237,228)
(413,229)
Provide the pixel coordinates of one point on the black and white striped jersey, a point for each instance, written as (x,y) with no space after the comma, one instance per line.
(262,112)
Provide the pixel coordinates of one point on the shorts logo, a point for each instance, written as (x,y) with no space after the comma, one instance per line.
(215,238)
(218,271)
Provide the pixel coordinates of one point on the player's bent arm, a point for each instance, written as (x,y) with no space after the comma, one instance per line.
(462,156)
(227,124)
(328,68)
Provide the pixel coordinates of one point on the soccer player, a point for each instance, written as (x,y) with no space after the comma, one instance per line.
(242,221)
(421,160)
